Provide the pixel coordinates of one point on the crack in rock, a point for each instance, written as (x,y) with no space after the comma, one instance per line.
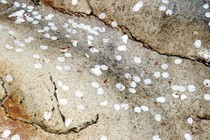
(125,30)
(56,97)
(75,129)
(37,125)
(204,117)
(84,125)
(5,91)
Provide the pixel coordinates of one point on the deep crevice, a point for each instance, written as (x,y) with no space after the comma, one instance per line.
(204,117)
(56,97)
(5,91)
(125,30)
(75,129)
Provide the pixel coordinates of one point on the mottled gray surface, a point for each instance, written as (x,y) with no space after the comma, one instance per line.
(33,92)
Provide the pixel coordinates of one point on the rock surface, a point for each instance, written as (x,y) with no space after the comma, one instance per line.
(74,77)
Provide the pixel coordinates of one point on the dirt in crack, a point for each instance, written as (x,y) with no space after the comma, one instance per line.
(5,91)
(56,97)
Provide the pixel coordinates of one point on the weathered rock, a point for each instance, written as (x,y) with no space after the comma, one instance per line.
(68,6)
(36,87)
(167,34)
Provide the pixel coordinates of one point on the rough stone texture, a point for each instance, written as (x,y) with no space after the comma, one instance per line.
(33,92)
(81,7)
(170,35)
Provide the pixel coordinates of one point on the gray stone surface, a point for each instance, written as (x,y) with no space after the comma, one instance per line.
(33,92)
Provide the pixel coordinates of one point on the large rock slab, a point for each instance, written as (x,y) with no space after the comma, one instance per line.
(55,63)
(171,31)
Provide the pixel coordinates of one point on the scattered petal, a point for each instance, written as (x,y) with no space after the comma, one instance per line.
(68,122)
(158,117)
(137,6)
